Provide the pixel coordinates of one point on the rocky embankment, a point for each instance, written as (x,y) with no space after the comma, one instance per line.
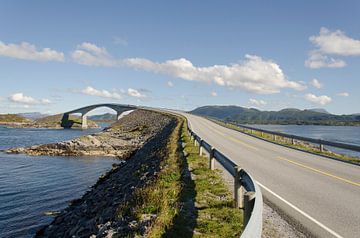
(119,140)
(100,212)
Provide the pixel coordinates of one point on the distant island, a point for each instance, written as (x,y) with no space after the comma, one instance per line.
(287,116)
(53,121)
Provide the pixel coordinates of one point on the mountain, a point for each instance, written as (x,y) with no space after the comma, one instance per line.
(322,110)
(285,116)
(32,115)
(103,117)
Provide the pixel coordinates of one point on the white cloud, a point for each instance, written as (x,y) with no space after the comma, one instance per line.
(214,94)
(321,100)
(90,54)
(316,83)
(343,94)
(135,93)
(331,43)
(28,51)
(254,74)
(336,43)
(257,103)
(27,100)
(101,93)
(170,84)
(317,60)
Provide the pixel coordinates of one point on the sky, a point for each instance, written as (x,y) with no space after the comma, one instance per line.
(270,55)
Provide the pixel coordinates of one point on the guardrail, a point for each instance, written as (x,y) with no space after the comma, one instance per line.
(320,142)
(247,194)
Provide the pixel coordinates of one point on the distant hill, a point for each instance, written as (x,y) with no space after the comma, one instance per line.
(321,110)
(32,115)
(54,121)
(244,115)
(103,117)
(13,118)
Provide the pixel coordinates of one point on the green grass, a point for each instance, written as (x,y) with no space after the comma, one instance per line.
(308,147)
(193,203)
(214,205)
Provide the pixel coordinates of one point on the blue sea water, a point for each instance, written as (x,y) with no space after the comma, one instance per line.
(32,185)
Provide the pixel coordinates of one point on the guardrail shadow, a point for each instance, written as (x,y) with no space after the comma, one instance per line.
(184,223)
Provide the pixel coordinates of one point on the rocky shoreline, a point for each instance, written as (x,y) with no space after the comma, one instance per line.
(98,213)
(120,140)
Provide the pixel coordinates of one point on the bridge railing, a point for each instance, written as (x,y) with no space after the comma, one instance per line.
(247,194)
(293,138)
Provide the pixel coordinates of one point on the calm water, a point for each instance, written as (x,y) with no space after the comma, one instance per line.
(30,186)
(344,134)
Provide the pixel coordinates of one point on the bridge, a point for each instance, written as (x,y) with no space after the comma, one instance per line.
(118,108)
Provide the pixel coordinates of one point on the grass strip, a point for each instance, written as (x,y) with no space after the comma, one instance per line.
(186,199)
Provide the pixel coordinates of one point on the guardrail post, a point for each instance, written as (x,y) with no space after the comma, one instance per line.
(212,158)
(195,141)
(293,141)
(238,196)
(321,148)
(201,148)
(275,137)
(249,199)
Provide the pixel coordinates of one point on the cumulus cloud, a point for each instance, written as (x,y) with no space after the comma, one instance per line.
(90,54)
(253,74)
(317,60)
(214,94)
(336,43)
(170,84)
(316,83)
(343,94)
(28,51)
(115,94)
(20,98)
(135,93)
(331,43)
(321,100)
(257,103)
(101,93)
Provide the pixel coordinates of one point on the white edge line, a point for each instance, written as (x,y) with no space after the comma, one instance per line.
(301,212)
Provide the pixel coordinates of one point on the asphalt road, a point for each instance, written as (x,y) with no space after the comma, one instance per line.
(321,194)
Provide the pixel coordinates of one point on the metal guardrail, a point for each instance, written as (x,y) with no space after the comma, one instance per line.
(320,142)
(247,194)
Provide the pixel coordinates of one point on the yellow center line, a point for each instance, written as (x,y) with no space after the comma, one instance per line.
(320,171)
(231,138)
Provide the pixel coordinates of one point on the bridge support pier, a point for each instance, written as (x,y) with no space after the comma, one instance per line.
(84,124)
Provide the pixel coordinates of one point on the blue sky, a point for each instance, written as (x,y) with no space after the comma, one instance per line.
(271,55)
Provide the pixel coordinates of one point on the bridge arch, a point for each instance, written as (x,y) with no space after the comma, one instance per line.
(119,108)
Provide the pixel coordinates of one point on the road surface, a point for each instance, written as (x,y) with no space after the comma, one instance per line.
(322,194)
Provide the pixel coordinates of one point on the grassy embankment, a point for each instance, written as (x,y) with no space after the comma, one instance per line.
(305,146)
(186,204)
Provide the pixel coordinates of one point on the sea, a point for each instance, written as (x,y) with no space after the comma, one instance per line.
(343,134)
(31,186)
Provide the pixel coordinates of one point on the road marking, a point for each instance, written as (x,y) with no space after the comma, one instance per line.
(231,138)
(301,212)
(320,172)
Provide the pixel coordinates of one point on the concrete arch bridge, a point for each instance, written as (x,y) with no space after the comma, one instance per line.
(119,108)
